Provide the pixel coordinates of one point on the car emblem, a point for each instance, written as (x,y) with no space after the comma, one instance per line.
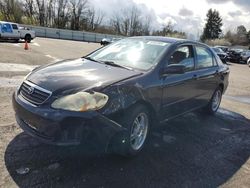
(30,90)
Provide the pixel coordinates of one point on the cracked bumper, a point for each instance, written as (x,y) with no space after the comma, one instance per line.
(60,127)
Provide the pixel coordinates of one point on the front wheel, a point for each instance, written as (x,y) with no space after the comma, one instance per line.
(215,101)
(27,38)
(137,122)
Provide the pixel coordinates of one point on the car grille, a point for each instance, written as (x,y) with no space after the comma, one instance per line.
(33,93)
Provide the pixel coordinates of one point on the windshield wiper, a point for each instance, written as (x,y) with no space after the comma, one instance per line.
(91,59)
(111,63)
(107,63)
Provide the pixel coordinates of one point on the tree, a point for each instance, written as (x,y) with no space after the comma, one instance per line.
(62,13)
(11,10)
(248,37)
(241,35)
(41,11)
(131,22)
(241,30)
(29,10)
(78,7)
(212,29)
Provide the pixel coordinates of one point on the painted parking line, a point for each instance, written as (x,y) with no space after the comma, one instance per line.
(53,58)
(11,82)
(35,44)
(13,67)
(20,44)
(16,44)
(242,99)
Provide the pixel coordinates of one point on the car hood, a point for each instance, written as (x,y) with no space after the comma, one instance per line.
(79,74)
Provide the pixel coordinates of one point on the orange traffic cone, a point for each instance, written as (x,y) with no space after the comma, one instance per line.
(26,47)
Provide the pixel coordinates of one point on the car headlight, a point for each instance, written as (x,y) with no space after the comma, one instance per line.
(81,101)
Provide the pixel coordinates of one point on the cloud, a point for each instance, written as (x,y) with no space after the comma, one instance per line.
(113,7)
(218,1)
(188,16)
(245,4)
(235,13)
(185,12)
(192,25)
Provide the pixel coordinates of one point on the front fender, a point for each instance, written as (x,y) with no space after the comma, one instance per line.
(121,98)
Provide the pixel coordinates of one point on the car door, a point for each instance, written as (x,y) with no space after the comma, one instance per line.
(6,30)
(179,90)
(16,32)
(206,74)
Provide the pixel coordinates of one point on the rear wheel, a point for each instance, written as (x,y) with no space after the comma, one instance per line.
(215,101)
(27,38)
(137,122)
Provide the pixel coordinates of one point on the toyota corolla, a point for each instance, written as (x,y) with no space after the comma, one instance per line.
(118,92)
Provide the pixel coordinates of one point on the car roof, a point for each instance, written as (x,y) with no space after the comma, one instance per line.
(7,22)
(160,38)
(169,40)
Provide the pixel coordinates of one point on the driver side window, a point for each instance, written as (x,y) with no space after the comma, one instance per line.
(6,28)
(183,55)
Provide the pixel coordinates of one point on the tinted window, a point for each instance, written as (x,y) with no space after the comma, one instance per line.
(6,28)
(204,58)
(14,26)
(183,55)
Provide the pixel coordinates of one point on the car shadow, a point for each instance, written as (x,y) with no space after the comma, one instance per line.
(12,41)
(192,151)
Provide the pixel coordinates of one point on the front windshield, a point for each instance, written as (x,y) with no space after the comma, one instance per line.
(133,53)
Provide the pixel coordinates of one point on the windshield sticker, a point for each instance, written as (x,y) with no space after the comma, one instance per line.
(158,43)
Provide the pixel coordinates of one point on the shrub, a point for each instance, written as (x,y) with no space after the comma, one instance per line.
(218,42)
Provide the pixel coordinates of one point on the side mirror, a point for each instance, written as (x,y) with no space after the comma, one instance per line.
(174,69)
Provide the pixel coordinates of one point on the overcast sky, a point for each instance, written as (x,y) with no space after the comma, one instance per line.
(186,15)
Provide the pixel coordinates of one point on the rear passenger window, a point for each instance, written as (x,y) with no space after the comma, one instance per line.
(204,58)
(14,26)
(183,55)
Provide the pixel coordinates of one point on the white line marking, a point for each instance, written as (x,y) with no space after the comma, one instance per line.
(13,67)
(17,45)
(11,82)
(54,58)
(35,44)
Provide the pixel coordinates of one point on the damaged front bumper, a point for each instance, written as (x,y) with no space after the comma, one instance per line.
(60,127)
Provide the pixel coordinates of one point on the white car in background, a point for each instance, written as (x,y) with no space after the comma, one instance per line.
(12,31)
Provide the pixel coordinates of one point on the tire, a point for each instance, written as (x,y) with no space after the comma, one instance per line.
(214,102)
(224,61)
(248,62)
(27,38)
(131,142)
